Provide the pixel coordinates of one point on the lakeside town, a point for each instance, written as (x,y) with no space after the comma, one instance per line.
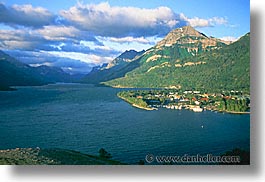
(236,102)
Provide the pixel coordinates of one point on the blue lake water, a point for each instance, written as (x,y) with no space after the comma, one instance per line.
(86,118)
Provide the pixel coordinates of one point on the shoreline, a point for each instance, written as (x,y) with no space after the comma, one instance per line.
(52,156)
(145,108)
(137,106)
(235,112)
(153,108)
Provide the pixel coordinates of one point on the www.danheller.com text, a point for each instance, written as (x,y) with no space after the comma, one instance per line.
(208,158)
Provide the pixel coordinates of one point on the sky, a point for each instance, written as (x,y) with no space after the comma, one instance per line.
(76,35)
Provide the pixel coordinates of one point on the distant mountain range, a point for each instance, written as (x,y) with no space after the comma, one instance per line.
(185,59)
(188,59)
(15,73)
(117,68)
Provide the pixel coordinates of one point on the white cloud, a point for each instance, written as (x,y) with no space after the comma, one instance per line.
(123,46)
(41,64)
(46,38)
(105,20)
(19,39)
(218,21)
(94,46)
(64,33)
(200,22)
(128,39)
(229,38)
(58,33)
(30,10)
(91,33)
(25,15)
(86,58)
(85,22)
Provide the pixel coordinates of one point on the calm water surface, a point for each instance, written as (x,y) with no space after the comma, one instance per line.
(86,118)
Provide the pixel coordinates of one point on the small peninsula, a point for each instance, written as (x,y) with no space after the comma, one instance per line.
(134,101)
(233,102)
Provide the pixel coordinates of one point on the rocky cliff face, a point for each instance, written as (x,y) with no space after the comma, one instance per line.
(189,38)
(177,36)
(126,57)
(126,62)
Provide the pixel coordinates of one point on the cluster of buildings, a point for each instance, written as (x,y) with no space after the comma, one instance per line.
(188,99)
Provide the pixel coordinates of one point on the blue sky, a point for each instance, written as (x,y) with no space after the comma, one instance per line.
(79,34)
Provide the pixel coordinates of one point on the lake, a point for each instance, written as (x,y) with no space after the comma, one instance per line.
(86,118)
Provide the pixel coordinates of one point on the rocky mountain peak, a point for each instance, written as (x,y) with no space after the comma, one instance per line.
(127,56)
(187,35)
(187,30)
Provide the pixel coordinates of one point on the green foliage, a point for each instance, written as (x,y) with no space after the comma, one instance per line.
(237,105)
(226,68)
(104,154)
(231,102)
(222,106)
(132,98)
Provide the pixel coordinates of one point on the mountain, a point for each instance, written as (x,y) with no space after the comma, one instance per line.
(124,58)
(98,68)
(15,73)
(117,68)
(55,74)
(178,44)
(188,59)
(190,40)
